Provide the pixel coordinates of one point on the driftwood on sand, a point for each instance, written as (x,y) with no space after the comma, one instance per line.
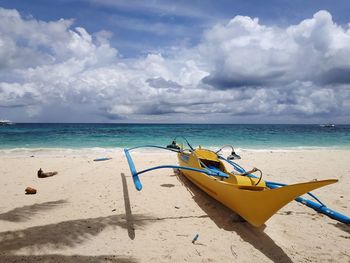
(42,174)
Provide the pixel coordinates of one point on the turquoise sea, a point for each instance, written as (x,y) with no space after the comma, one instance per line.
(245,136)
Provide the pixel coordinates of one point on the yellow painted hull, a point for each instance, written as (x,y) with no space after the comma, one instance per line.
(255,203)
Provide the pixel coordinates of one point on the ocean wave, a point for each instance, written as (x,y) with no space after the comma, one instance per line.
(294,148)
(99,151)
(60,152)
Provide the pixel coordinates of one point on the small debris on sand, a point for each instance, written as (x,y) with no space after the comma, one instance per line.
(41,174)
(195,238)
(30,191)
(102,159)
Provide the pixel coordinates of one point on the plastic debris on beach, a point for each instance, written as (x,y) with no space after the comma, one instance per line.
(195,238)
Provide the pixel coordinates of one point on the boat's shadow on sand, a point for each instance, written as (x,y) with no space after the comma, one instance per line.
(226,219)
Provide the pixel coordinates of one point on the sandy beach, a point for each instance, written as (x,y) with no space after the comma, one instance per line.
(91,212)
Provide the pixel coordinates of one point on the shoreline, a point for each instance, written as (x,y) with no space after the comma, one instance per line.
(62,152)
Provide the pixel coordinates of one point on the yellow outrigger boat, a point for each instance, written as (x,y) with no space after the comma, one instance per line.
(248,195)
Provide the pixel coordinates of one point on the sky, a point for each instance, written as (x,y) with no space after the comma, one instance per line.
(175,61)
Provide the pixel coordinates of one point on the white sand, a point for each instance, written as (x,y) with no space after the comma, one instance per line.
(89,213)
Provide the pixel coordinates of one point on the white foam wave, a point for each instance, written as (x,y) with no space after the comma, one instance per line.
(279,149)
(60,152)
(293,149)
(98,151)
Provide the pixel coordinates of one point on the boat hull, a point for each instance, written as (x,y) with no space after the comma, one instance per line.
(255,203)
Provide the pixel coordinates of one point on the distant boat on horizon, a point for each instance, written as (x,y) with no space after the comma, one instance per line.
(328,125)
(6,122)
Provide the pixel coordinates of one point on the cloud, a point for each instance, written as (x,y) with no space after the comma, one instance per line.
(245,53)
(160,83)
(240,71)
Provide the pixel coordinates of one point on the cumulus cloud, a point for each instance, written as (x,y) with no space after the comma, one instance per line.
(246,53)
(242,70)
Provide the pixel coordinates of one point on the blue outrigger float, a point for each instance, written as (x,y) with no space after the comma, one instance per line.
(243,192)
